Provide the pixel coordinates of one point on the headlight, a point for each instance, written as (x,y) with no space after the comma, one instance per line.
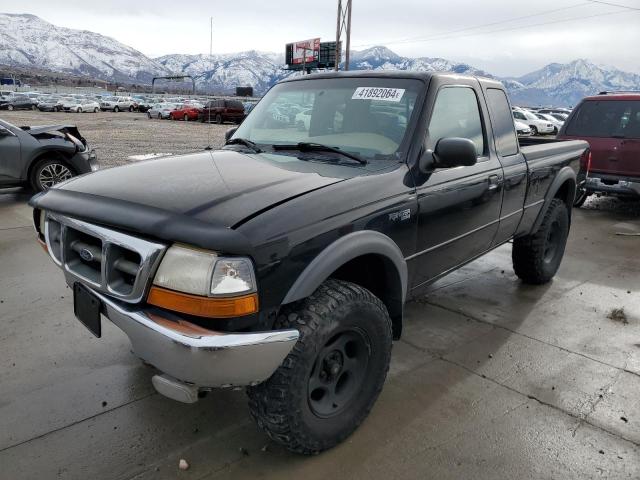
(232,276)
(201,272)
(186,270)
(199,282)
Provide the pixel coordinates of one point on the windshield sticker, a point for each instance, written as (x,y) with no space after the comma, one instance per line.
(378,93)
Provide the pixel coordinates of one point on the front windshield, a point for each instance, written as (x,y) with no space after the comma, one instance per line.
(363,116)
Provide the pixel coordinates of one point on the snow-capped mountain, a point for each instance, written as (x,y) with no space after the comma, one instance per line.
(29,41)
(568,83)
(223,73)
(381,58)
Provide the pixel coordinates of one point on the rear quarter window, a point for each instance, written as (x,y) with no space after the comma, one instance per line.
(502,122)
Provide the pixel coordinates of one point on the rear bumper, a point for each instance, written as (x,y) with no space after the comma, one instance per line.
(195,356)
(613,185)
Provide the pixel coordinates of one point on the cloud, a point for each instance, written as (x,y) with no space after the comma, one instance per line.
(484,34)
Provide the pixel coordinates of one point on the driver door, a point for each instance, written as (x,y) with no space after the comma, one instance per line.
(10,165)
(459,207)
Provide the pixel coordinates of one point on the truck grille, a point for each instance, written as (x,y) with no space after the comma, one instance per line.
(117,264)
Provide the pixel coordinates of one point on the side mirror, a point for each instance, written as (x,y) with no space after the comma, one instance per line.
(229,133)
(455,152)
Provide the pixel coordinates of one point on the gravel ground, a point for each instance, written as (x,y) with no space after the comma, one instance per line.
(117,136)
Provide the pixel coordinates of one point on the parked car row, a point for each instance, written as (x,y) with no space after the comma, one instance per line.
(540,121)
(218,111)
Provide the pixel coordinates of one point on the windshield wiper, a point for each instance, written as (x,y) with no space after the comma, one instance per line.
(318,147)
(247,143)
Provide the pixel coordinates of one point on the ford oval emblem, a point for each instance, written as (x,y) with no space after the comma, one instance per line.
(86,255)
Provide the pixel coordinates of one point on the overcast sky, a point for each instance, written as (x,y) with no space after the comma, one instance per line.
(489,34)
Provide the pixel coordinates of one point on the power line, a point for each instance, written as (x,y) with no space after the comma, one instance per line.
(431,39)
(464,29)
(614,5)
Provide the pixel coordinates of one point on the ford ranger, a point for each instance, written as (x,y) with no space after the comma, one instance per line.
(282,262)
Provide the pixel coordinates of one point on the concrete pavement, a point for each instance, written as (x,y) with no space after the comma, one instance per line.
(493,379)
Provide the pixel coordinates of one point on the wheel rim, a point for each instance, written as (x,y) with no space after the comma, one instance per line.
(553,242)
(52,174)
(10,107)
(186,118)
(338,373)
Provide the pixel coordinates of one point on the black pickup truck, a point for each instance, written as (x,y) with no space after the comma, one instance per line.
(282,262)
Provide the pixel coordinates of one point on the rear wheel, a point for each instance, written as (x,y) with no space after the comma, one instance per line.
(79,110)
(131,108)
(9,107)
(536,257)
(34,107)
(329,382)
(186,118)
(159,116)
(219,119)
(116,109)
(48,172)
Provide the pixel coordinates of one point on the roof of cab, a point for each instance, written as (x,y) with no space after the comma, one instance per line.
(424,76)
(620,95)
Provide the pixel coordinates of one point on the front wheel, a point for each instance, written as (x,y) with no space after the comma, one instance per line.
(534,130)
(186,118)
(329,382)
(9,107)
(116,109)
(95,110)
(219,119)
(79,110)
(48,172)
(34,107)
(536,257)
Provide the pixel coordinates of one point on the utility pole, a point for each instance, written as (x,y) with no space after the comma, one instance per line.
(343,27)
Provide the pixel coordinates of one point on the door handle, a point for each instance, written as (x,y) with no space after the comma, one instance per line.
(494,182)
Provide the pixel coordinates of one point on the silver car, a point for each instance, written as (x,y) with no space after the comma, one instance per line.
(161,110)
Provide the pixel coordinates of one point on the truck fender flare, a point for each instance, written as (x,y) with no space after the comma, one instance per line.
(566,174)
(341,251)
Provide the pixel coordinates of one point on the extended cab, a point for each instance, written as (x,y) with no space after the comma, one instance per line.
(283,261)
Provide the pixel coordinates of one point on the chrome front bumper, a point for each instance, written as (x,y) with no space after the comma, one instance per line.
(196,358)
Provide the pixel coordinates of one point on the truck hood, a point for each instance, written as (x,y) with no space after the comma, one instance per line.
(221,187)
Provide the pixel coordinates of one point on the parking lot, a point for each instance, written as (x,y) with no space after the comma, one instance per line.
(492,379)
(118,136)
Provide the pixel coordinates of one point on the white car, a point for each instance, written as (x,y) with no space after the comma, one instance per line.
(118,104)
(537,126)
(161,110)
(79,105)
(557,124)
(522,129)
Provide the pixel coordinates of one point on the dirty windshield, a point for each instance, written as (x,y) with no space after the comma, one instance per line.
(367,117)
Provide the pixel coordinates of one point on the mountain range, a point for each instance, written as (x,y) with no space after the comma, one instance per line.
(27,41)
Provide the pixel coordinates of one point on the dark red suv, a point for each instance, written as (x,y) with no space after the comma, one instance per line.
(220,111)
(610,122)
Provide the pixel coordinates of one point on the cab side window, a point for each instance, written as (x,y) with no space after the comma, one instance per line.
(456,114)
